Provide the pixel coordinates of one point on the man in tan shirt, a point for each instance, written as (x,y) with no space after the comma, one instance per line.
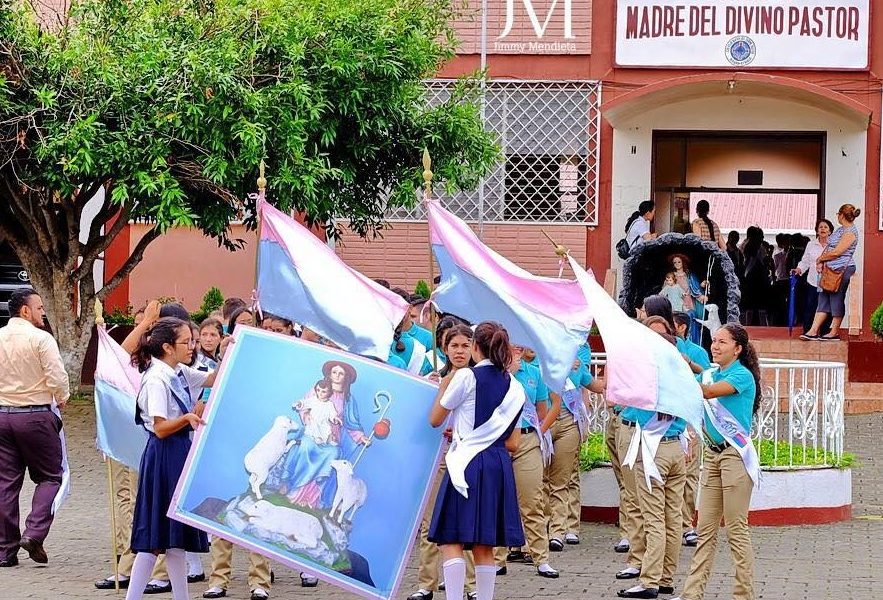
(32,375)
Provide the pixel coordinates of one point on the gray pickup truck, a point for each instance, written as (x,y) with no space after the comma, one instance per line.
(12,277)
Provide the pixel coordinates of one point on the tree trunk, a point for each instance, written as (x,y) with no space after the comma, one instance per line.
(60,299)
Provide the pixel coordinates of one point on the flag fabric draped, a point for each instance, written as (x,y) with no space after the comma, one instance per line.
(116,388)
(550,316)
(643,369)
(64,490)
(300,278)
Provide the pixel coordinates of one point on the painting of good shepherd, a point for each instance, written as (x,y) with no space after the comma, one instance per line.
(314,457)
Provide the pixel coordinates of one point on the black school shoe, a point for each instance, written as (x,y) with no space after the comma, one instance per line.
(108,584)
(556,545)
(163,588)
(666,589)
(645,593)
(515,556)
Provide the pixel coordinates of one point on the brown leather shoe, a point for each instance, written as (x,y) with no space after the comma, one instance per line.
(34,549)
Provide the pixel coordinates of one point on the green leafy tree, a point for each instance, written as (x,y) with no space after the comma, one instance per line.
(212,301)
(161,110)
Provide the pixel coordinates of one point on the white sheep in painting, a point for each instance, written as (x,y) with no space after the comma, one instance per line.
(351,492)
(268,451)
(303,528)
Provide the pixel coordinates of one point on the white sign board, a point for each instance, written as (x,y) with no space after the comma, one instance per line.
(741,34)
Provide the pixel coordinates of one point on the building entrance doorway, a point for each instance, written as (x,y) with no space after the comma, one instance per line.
(768,181)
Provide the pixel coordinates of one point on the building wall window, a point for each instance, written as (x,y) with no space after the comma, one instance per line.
(549,132)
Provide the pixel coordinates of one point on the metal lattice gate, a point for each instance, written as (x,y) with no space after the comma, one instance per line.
(549,132)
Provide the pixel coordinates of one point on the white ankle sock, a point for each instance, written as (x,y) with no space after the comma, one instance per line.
(142,568)
(194,564)
(485,578)
(176,563)
(455,578)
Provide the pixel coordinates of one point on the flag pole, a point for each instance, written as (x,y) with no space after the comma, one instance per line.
(427,196)
(560,250)
(261,197)
(99,322)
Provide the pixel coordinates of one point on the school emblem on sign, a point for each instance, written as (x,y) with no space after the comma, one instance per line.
(740,50)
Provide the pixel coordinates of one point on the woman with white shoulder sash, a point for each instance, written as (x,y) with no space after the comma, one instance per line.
(731,468)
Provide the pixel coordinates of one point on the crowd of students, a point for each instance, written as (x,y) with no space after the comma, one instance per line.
(507,491)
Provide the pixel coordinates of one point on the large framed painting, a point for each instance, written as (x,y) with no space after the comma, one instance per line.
(313,457)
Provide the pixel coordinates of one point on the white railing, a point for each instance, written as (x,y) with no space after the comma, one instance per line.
(802,404)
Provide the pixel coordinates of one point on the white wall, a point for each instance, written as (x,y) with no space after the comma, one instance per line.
(844,161)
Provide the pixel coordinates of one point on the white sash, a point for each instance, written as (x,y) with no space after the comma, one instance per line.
(735,435)
(415,362)
(547,449)
(572,397)
(647,440)
(731,429)
(463,450)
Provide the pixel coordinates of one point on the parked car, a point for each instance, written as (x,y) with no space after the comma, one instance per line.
(13,276)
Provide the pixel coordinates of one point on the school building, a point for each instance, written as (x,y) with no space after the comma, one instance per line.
(770,110)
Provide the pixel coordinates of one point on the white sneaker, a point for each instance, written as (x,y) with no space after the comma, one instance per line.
(259,594)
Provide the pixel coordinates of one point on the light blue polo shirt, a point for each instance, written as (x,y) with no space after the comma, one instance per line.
(694,352)
(534,387)
(641,416)
(580,378)
(424,336)
(405,355)
(740,404)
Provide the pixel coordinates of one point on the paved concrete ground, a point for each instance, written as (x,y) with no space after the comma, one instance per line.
(839,561)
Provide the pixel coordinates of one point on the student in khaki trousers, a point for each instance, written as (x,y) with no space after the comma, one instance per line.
(611,442)
(527,463)
(660,502)
(691,486)
(628,505)
(559,474)
(726,484)
(222,569)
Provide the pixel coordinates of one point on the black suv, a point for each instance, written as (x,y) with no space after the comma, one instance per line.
(12,277)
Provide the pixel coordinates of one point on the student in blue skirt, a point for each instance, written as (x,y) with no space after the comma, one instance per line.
(477,504)
(162,409)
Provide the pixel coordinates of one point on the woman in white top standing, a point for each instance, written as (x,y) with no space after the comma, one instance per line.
(808,265)
(637,228)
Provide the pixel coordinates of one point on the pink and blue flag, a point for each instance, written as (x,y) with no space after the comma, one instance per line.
(550,316)
(643,369)
(116,388)
(300,278)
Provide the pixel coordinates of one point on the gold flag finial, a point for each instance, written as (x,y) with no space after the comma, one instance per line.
(262,181)
(99,313)
(427,172)
(560,250)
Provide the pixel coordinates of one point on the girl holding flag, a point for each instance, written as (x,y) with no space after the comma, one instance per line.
(477,505)
(731,466)
(657,467)
(569,428)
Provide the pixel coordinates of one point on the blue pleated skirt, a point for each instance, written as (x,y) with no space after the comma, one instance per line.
(161,466)
(490,515)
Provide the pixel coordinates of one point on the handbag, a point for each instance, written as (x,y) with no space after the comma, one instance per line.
(830,279)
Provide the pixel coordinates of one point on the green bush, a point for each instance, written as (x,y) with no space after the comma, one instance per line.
(593,453)
(877,320)
(118,316)
(212,301)
(422,289)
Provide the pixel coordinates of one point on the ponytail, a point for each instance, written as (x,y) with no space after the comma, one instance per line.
(748,358)
(164,331)
(397,338)
(493,341)
(634,217)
